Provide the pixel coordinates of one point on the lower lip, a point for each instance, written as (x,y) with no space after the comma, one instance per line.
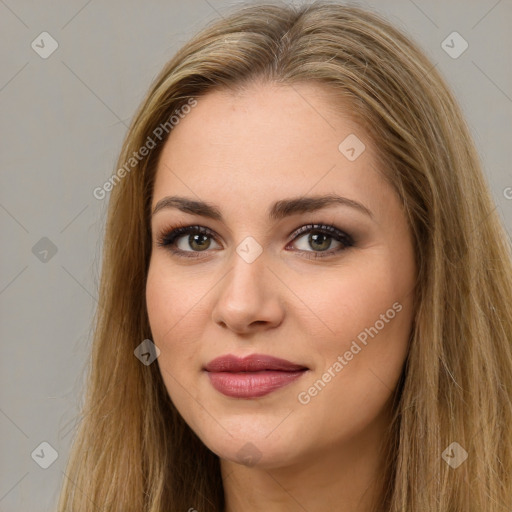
(251,384)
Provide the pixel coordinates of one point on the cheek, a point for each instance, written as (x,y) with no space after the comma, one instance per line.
(175,317)
(171,296)
(366,315)
(343,302)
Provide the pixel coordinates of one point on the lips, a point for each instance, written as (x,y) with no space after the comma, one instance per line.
(253,376)
(252,363)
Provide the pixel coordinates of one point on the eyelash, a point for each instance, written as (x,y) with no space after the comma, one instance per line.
(168,237)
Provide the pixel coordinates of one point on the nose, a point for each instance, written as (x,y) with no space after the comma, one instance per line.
(248,297)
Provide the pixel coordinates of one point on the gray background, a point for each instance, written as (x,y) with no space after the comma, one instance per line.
(62,124)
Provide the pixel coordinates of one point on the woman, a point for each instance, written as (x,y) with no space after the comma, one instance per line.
(305,287)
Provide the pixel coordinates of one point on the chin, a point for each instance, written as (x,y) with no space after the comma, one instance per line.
(252,446)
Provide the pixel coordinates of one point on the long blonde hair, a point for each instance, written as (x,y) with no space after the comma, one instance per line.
(134,452)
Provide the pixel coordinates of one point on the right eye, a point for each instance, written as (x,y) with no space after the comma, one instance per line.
(186,239)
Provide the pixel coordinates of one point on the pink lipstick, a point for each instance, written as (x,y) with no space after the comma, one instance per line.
(252,376)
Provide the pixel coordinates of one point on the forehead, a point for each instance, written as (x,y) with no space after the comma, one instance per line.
(265,143)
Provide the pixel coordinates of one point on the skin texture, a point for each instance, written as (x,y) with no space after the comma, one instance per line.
(242,152)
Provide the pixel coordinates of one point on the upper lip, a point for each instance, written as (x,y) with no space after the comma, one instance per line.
(252,363)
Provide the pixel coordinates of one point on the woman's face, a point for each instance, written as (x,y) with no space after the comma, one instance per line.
(337,303)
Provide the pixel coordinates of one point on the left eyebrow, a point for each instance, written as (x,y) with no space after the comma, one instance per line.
(279,210)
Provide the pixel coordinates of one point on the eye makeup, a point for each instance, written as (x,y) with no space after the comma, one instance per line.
(322,234)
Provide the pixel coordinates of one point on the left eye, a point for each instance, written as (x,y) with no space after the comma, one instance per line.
(316,239)
(320,237)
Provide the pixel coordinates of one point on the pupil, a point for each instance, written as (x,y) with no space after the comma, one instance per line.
(194,241)
(314,238)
